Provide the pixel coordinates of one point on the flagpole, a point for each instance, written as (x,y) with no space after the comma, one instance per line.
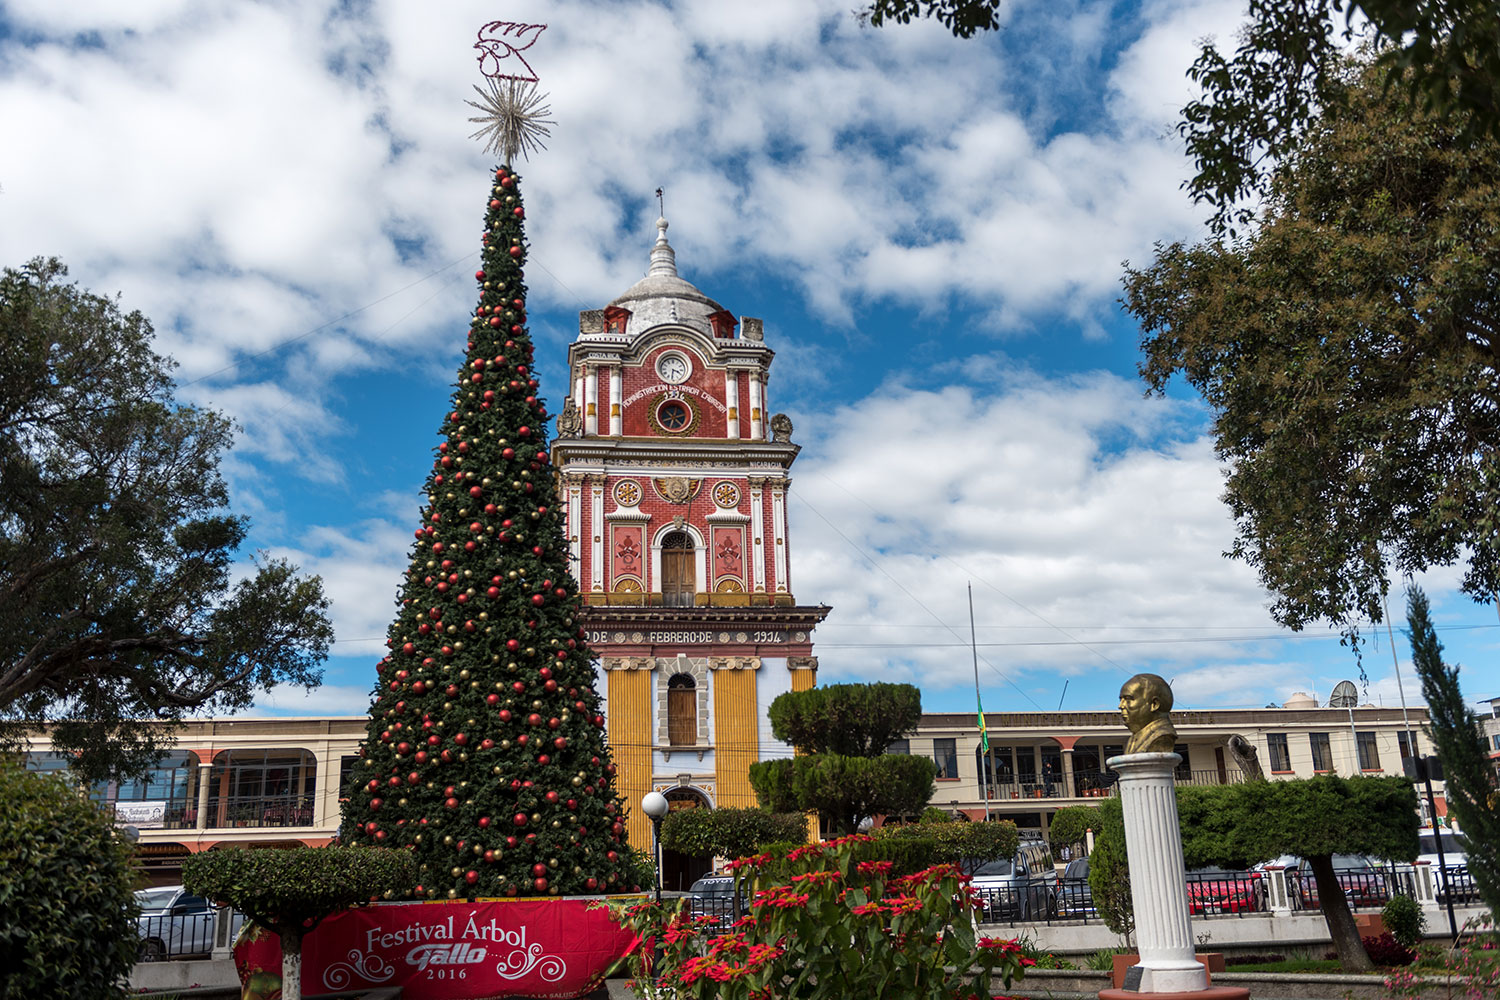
(984,736)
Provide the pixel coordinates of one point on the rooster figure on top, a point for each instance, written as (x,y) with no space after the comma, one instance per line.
(485,752)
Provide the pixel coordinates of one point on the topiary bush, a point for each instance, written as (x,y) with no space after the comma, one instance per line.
(1404,918)
(1069,826)
(67,901)
(291,891)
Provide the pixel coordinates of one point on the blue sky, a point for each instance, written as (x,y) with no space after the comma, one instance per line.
(933,231)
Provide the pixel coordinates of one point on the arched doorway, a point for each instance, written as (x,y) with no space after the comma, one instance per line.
(679,581)
(679,871)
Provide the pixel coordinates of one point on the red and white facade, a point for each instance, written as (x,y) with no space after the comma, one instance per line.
(674,479)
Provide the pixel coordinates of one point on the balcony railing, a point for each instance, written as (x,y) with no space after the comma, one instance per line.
(1093,784)
(258,811)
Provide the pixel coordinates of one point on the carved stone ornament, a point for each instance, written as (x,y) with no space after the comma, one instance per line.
(752,328)
(781,428)
(677,489)
(569,423)
(1246,756)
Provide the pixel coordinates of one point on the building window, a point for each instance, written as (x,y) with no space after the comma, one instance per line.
(1322,753)
(679,578)
(1276,749)
(1497,741)
(673,416)
(1184,771)
(1369,756)
(945,755)
(262,788)
(682,711)
(1403,744)
(899,746)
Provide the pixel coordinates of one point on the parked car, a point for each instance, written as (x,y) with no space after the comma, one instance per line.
(174,924)
(1023,887)
(1365,885)
(714,896)
(1212,889)
(1074,897)
(1453,874)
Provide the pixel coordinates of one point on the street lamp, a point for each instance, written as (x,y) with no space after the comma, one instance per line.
(654,804)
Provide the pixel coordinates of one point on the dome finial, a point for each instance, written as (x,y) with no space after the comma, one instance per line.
(663,258)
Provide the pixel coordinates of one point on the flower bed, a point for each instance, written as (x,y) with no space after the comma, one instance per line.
(829,926)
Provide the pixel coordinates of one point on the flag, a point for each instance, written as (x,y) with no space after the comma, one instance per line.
(984,734)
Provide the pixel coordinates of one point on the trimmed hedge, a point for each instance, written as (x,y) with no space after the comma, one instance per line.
(729,832)
(67,900)
(300,886)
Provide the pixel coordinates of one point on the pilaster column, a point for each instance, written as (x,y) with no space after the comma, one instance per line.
(1069,789)
(573,506)
(1158,880)
(616,420)
(758,532)
(596,533)
(757,416)
(778,525)
(590,400)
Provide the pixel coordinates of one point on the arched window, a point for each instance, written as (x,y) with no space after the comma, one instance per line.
(678,577)
(682,711)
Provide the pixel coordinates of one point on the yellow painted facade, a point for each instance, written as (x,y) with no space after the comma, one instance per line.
(736,736)
(630,747)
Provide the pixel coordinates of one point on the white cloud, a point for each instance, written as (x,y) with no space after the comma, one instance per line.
(361,566)
(1087,520)
(329,699)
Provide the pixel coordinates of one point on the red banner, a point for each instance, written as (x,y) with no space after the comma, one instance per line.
(545,948)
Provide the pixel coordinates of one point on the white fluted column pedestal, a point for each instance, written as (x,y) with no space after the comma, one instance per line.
(1158,883)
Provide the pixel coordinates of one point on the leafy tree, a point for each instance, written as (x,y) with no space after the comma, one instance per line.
(1239,825)
(1109,871)
(729,832)
(857,720)
(1444,56)
(964,18)
(67,902)
(1070,824)
(1468,776)
(1348,350)
(484,753)
(844,790)
(846,775)
(291,891)
(116,594)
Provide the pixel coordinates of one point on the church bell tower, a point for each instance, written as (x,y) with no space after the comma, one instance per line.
(674,481)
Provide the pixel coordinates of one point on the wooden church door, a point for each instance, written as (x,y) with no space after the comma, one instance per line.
(678,579)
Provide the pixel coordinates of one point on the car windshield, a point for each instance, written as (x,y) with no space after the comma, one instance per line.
(1077,869)
(155,899)
(1452,844)
(713,885)
(996,868)
(1214,871)
(1350,861)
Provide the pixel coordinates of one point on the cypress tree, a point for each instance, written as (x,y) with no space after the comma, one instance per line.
(484,753)
(1469,780)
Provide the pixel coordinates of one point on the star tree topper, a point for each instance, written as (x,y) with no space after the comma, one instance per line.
(514,119)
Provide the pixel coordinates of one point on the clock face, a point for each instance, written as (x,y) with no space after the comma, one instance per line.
(673,368)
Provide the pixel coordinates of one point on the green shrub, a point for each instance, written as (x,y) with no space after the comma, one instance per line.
(967,845)
(1103,960)
(1109,871)
(932,814)
(1069,825)
(67,903)
(729,832)
(1404,918)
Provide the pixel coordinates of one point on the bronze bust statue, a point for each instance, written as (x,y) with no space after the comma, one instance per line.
(1146,704)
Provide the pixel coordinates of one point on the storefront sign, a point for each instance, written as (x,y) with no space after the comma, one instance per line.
(141,815)
(546,948)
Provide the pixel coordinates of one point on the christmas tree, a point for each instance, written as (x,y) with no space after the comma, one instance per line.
(485,753)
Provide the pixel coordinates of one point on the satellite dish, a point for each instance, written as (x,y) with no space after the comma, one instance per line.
(1345,695)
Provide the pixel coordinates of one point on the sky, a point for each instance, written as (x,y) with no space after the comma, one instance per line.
(934,231)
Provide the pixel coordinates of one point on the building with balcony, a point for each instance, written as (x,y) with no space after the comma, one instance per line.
(1039,762)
